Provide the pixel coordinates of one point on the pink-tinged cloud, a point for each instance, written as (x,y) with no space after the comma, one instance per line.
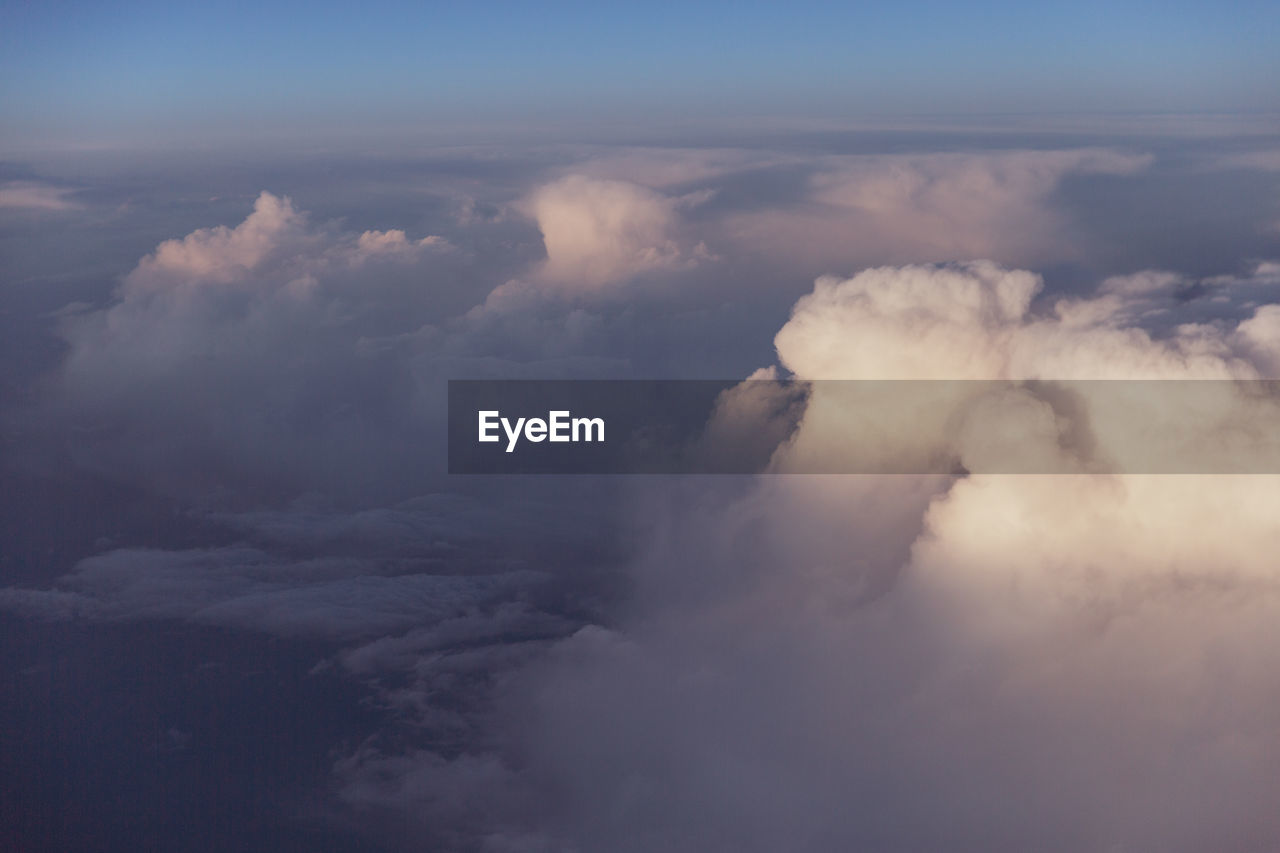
(28,195)
(873,209)
(599,232)
(987,662)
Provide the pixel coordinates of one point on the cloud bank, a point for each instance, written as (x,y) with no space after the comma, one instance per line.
(30,195)
(914,663)
(891,208)
(968,662)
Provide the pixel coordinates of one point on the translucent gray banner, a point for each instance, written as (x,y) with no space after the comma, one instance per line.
(1218,426)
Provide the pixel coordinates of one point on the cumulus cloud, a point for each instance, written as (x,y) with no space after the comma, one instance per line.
(600,231)
(282,354)
(247,353)
(219,291)
(925,663)
(892,663)
(393,242)
(274,242)
(220,255)
(974,321)
(989,662)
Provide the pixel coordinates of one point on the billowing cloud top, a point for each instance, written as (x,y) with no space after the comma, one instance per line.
(600,231)
(974,321)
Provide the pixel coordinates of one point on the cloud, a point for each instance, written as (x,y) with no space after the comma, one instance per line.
(282,355)
(221,255)
(925,663)
(974,321)
(29,195)
(898,663)
(274,242)
(235,357)
(1265,160)
(887,208)
(600,232)
(247,588)
(461,803)
(247,354)
(665,168)
(222,291)
(393,242)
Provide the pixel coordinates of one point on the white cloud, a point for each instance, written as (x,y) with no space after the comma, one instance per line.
(394,242)
(974,321)
(927,662)
(274,241)
(222,254)
(599,232)
(241,348)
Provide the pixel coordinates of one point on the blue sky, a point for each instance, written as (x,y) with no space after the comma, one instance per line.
(79,66)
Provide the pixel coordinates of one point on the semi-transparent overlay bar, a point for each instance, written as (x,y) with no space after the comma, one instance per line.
(1210,426)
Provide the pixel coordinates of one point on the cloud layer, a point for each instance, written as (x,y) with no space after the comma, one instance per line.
(932,207)
(34,196)
(990,663)
(968,662)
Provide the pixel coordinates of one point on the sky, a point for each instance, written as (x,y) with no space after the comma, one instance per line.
(88,73)
(245,606)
